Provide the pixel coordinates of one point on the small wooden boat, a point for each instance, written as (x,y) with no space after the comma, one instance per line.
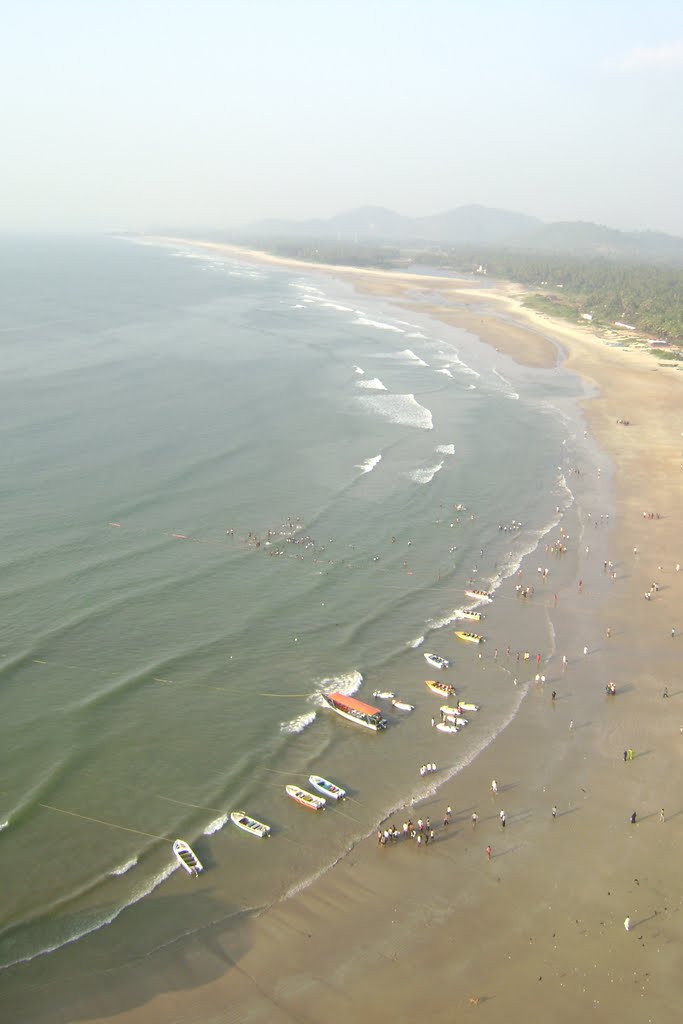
(436,660)
(466,706)
(327,787)
(383,694)
(479,595)
(445,727)
(442,689)
(187,858)
(309,800)
(250,825)
(402,705)
(473,638)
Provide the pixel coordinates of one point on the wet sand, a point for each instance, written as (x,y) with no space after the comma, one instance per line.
(400,933)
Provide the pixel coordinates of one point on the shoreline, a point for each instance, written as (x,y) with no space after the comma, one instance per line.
(540,928)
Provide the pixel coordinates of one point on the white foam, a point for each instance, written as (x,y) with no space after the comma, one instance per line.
(4,824)
(417,334)
(357,369)
(400,409)
(95,926)
(445,620)
(347,683)
(416,642)
(426,474)
(455,360)
(216,825)
(412,358)
(125,867)
(299,723)
(445,449)
(298,305)
(446,372)
(363,321)
(369,464)
(374,384)
(334,305)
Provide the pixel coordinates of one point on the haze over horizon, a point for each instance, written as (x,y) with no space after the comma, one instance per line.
(217,114)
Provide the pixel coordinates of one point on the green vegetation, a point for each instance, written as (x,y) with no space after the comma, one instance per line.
(646,296)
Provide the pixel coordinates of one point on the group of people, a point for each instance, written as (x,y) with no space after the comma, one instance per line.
(421,832)
(427,769)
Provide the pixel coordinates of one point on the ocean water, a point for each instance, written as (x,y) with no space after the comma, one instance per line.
(226,489)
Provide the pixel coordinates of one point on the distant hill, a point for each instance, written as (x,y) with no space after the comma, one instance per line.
(476,226)
(376,224)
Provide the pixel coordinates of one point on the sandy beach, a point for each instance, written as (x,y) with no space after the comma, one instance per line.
(400,933)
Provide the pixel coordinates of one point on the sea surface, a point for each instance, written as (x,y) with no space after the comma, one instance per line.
(226,489)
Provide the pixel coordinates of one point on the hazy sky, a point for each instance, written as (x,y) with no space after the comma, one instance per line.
(137,113)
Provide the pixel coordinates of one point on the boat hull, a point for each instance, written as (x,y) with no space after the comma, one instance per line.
(186,857)
(308,800)
(326,787)
(250,825)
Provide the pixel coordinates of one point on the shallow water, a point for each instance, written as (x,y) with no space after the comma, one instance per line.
(228,489)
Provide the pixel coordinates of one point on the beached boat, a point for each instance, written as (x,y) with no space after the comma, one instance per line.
(250,825)
(355,711)
(436,660)
(445,727)
(465,613)
(442,689)
(466,706)
(479,595)
(473,638)
(309,800)
(383,694)
(326,787)
(449,709)
(402,705)
(186,857)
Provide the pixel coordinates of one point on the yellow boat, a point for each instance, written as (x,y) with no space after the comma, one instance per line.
(465,613)
(442,689)
(473,638)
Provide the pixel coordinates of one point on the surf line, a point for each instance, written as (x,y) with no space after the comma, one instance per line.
(109,824)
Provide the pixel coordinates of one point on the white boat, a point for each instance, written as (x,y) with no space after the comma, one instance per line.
(444,727)
(186,857)
(402,705)
(355,711)
(327,787)
(437,661)
(467,613)
(250,825)
(309,800)
(466,706)
(383,694)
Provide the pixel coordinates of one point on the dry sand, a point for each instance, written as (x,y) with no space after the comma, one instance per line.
(403,934)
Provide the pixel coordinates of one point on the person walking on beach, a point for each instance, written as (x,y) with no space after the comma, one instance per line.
(503,819)
(475,819)
(633,818)
(627,924)
(488,853)
(494,786)
(554,812)
(553,695)
(661,814)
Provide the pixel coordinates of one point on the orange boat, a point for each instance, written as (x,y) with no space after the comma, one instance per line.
(356,711)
